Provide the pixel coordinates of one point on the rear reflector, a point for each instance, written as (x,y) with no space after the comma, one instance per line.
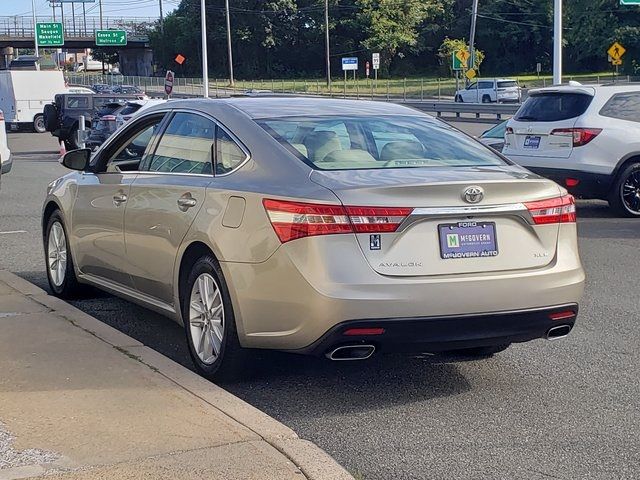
(553,210)
(571,182)
(363,331)
(108,118)
(292,220)
(581,136)
(562,315)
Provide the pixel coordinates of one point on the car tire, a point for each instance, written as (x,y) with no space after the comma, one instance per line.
(481,352)
(209,322)
(486,99)
(39,124)
(50,114)
(628,181)
(71,143)
(58,260)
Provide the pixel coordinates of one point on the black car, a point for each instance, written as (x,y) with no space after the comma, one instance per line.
(103,124)
(62,117)
(127,89)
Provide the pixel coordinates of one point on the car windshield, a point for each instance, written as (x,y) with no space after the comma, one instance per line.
(553,107)
(351,143)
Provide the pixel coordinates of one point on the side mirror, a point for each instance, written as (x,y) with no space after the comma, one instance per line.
(77,159)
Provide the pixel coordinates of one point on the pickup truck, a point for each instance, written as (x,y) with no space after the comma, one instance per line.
(62,117)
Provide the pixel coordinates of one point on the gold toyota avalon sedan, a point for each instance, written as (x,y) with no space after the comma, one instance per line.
(323,227)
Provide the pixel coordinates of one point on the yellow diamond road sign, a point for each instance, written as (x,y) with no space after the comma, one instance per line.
(616,62)
(616,51)
(471,73)
(463,56)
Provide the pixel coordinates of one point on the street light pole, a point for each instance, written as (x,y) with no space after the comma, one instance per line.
(229,53)
(326,42)
(472,35)
(205,60)
(35,30)
(557,42)
(161,17)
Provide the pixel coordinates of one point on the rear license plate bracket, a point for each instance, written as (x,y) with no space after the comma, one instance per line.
(532,141)
(468,240)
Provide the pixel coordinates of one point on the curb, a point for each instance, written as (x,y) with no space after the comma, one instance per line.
(314,462)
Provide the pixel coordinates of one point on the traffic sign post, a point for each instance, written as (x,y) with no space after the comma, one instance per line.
(459,59)
(375,60)
(615,53)
(111,38)
(168,83)
(349,63)
(50,34)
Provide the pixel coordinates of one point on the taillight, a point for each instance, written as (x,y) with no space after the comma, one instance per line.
(292,220)
(509,131)
(109,118)
(581,136)
(553,210)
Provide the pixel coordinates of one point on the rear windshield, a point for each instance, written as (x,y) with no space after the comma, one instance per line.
(129,109)
(351,143)
(507,84)
(553,107)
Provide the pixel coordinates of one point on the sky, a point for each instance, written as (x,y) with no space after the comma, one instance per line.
(111,8)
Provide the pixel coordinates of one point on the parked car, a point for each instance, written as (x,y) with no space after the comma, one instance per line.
(501,90)
(101,88)
(133,108)
(127,89)
(62,117)
(325,227)
(586,138)
(103,124)
(494,137)
(6,162)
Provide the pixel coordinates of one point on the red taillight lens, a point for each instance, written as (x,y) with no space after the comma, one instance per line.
(554,210)
(292,220)
(581,136)
(509,131)
(109,118)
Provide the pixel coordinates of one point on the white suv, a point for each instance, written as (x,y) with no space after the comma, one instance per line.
(501,90)
(586,138)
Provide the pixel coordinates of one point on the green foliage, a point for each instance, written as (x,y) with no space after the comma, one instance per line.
(452,45)
(285,38)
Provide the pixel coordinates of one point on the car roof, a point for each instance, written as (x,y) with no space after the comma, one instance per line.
(267,107)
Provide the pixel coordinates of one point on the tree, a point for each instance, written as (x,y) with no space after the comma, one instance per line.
(451,45)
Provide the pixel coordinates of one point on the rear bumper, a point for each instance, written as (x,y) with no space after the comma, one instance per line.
(436,334)
(590,185)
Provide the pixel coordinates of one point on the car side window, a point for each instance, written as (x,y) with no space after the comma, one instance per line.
(623,106)
(485,85)
(130,153)
(185,146)
(473,86)
(229,155)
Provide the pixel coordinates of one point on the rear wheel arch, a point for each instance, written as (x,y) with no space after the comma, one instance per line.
(189,257)
(624,163)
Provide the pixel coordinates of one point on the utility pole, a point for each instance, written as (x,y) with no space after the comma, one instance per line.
(53,8)
(84,19)
(472,35)
(161,17)
(326,42)
(557,42)
(229,53)
(35,30)
(100,7)
(205,60)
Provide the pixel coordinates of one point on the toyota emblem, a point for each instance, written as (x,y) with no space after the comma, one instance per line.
(473,194)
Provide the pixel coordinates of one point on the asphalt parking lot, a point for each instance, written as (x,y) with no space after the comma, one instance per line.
(568,409)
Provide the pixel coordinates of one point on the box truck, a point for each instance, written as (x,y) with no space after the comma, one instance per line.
(23,95)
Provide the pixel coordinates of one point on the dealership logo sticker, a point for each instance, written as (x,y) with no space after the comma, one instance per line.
(453,240)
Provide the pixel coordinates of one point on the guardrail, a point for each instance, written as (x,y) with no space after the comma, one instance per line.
(478,109)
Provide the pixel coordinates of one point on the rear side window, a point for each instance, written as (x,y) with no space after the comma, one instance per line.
(78,102)
(624,106)
(185,146)
(485,85)
(130,109)
(553,107)
(228,154)
(377,143)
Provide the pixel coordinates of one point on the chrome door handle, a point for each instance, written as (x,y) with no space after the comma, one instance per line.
(119,199)
(186,202)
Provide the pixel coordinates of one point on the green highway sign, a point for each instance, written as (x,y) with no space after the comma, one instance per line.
(111,38)
(49,34)
(629,2)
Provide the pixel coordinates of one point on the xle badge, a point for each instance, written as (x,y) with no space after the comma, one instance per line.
(374,242)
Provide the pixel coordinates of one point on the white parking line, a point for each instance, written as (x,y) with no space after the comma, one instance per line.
(13,232)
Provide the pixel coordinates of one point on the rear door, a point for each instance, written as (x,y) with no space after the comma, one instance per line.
(532,129)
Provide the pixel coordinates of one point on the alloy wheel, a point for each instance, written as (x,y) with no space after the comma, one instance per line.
(206,318)
(631,192)
(57,254)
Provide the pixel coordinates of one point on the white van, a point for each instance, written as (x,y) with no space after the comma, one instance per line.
(24,93)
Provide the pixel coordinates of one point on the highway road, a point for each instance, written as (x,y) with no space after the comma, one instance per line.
(568,409)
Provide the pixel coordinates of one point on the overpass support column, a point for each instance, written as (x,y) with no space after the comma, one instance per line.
(136,62)
(6,55)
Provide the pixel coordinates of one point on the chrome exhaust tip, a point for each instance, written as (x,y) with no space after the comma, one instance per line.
(556,333)
(351,352)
